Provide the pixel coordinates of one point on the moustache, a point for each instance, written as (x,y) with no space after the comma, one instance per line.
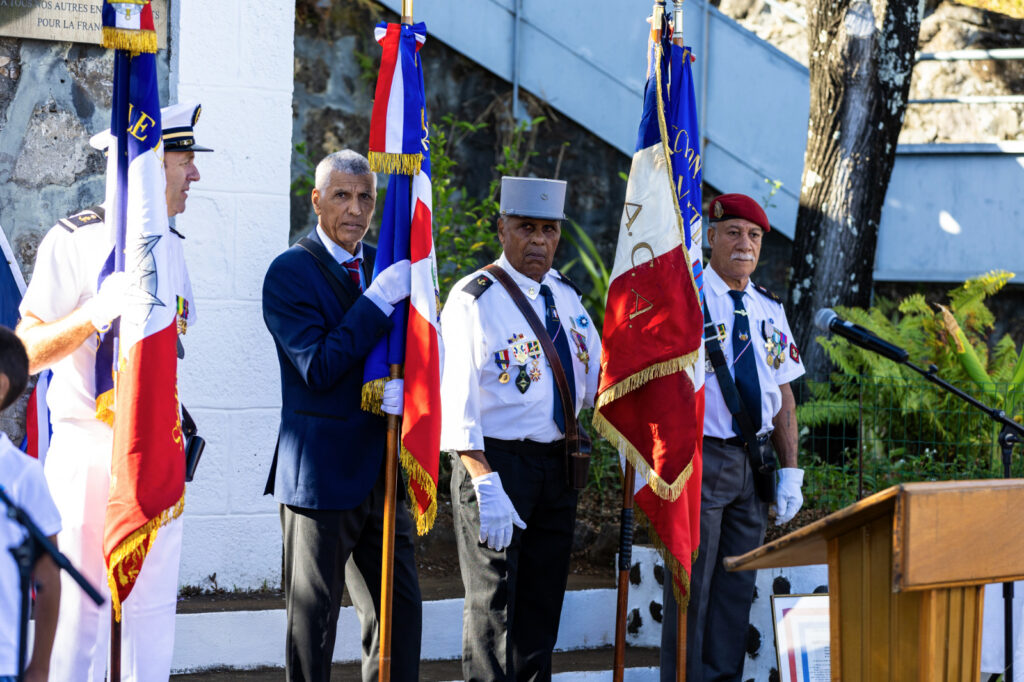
(741,256)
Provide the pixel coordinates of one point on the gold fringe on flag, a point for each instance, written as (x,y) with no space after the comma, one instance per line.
(134,549)
(635,381)
(671,563)
(105,407)
(425,519)
(129,39)
(373,395)
(661,487)
(395,164)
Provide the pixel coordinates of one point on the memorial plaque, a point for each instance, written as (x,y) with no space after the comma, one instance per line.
(76,22)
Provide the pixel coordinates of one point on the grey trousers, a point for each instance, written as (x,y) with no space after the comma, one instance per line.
(732,521)
(514,597)
(325,550)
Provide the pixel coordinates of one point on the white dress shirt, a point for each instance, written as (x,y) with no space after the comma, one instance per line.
(764,315)
(476,399)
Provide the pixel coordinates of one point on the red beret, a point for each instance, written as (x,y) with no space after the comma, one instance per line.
(732,206)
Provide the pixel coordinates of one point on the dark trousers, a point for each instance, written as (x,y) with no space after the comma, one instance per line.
(514,597)
(732,522)
(325,550)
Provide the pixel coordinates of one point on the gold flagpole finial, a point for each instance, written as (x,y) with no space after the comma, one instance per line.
(407,11)
(677,23)
(658,16)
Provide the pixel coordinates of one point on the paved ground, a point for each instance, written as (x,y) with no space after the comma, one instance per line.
(437,671)
(432,587)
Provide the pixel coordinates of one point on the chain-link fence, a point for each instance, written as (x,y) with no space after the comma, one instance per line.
(862,434)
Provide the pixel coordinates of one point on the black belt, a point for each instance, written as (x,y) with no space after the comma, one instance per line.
(526,448)
(735,441)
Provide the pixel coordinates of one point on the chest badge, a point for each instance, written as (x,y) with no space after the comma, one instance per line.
(182,315)
(522,379)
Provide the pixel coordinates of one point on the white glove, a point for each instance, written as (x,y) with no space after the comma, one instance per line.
(393,401)
(392,285)
(497,514)
(110,301)
(788,498)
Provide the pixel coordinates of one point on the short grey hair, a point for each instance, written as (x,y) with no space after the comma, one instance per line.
(345,161)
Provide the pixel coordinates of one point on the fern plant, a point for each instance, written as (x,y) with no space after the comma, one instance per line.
(901,417)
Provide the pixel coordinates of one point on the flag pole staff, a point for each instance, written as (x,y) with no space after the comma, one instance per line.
(390,498)
(625,562)
(677,39)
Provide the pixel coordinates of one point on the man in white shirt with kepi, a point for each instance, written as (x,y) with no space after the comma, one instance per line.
(762,359)
(502,418)
(63,313)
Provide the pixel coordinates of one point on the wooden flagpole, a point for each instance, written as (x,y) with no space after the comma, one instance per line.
(390,499)
(625,562)
(677,39)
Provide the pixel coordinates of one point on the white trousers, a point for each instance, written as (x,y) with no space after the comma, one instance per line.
(78,473)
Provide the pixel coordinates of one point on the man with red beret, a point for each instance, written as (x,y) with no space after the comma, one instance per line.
(752,402)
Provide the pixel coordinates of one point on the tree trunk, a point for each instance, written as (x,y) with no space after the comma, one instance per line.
(861,59)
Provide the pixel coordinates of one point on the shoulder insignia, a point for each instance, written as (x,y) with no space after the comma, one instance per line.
(86,217)
(572,284)
(478,285)
(767,294)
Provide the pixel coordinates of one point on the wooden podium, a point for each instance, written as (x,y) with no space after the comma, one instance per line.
(906,568)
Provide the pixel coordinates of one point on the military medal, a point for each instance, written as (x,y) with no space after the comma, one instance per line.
(582,321)
(520,352)
(182,315)
(774,344)
(534,351)
(581,349)
(522,379)
(501,359)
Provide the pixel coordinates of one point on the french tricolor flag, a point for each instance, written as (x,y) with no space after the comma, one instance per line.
(147,481)
(37,416)
(399,145)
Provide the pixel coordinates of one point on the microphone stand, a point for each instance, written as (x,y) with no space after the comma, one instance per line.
(25,555)
(1011,434)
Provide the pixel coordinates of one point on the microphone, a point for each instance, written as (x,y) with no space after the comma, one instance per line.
(827,320)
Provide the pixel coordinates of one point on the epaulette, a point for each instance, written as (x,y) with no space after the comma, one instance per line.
(93,214)
(478,285)
(768,294)
(571,284)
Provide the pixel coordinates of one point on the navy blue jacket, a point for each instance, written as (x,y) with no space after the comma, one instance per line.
(329,451)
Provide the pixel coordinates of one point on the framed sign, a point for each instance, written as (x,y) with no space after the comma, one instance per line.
(76,22)
(802,637)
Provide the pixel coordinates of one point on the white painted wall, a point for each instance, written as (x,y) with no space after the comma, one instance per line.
(236,61)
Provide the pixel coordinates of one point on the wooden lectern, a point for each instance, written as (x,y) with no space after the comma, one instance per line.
(906,568)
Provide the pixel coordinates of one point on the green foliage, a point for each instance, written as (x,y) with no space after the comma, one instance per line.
(904,427)
(304,182)
(589,259)
(773,187)
(464,226)
(605,467)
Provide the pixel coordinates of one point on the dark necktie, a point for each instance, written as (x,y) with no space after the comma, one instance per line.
(353,271)
(557,334)
(745,364)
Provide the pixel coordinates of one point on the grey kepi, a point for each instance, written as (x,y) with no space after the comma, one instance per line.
(533,198)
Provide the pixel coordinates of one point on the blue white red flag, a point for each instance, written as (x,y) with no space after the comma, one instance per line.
(37,415)
(406,233)
(147,482)
(651,398)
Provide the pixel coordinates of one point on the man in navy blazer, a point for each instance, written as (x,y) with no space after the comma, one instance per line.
(328,471)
